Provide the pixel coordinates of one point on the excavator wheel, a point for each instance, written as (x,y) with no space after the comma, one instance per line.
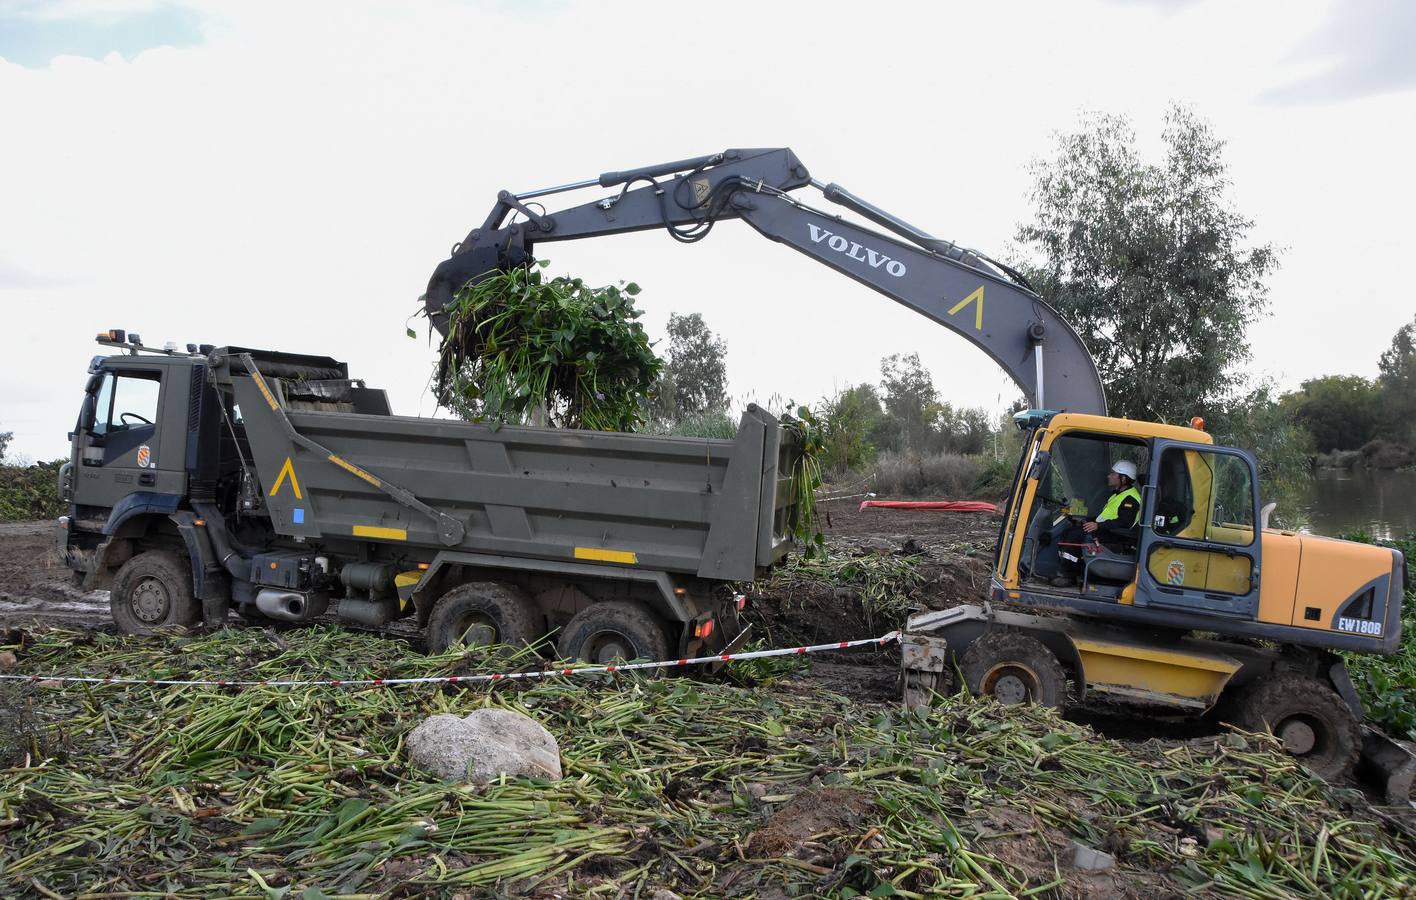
(481,614)
(1307,716)
(1013,668)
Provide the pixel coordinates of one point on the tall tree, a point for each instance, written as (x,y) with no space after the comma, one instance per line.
(911,402)
(1149,262)
(1397,377)
(965,429)
(695,374)
(851,417)
(1341,412)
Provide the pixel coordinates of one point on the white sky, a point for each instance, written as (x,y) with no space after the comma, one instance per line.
(289,175)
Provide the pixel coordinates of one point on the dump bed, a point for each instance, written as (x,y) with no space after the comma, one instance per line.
(719,509)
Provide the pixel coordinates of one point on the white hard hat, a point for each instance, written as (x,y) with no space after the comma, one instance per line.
(1125,467)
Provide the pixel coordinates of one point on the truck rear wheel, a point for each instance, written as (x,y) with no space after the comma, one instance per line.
(151,591)
(481,614)
(1307,716)
(1013,668)
(613,630)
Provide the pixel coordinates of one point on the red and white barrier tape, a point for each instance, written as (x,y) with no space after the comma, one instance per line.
(461,679)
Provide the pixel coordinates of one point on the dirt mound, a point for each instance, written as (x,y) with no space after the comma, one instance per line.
(808,817)
(882,563)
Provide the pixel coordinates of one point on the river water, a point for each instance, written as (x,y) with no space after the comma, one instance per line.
(1381,503)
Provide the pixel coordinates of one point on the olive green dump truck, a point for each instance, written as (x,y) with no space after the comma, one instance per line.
(276,485)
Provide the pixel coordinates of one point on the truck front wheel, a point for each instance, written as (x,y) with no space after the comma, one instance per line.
(482,614)
(153,590)
(613,630)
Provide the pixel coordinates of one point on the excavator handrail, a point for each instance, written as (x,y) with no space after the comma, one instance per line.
(984,301)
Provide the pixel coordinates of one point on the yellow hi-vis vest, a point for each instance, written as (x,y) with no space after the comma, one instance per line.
(1113,505)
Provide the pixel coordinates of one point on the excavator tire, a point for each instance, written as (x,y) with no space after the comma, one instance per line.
(481,614)
(1308,716)
(1013,668)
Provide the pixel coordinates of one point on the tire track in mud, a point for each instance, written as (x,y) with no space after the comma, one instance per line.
(36,589)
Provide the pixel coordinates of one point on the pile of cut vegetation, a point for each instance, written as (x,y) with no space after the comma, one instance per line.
(523,349)
(699,787)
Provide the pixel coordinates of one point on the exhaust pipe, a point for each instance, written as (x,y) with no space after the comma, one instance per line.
(290,605)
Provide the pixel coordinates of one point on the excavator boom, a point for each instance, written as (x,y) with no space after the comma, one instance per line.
(963,290)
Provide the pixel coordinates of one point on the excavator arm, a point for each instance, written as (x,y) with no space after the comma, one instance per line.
(960,289)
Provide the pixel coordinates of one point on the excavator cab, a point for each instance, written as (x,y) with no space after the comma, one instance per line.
(1195,544)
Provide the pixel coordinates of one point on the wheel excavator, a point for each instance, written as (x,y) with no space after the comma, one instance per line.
(1204,609)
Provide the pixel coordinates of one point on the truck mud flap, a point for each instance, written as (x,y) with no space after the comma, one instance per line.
(733,646)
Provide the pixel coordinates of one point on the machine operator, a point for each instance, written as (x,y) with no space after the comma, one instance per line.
(1114,528)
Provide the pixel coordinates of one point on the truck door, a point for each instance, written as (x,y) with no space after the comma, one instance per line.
(121,447)
(1200,541)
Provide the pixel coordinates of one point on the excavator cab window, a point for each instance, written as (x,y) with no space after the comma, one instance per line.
(1071,491)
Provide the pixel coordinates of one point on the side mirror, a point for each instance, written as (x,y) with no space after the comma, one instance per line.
(1039,464)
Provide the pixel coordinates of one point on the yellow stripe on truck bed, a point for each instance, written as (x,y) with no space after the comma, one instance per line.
(601,555)
(375,531)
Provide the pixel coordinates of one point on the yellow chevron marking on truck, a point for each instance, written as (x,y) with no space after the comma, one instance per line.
(376,531)
(260,383)
(355,470)
(601,555)
(287,470)
(406,582)
(978,314)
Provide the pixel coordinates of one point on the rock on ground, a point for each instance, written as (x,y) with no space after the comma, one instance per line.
(483,746)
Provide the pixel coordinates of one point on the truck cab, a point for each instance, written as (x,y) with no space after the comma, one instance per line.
(138,438)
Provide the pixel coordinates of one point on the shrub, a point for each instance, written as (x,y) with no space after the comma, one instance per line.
(700,425)
(30,492)
(945,475)
(1380,454)
(1387,684)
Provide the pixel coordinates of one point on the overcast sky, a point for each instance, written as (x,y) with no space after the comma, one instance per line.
(287,175)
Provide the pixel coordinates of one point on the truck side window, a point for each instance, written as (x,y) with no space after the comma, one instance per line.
(131,401)
(103,406)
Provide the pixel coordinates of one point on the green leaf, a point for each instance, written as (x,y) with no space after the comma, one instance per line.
(411,333)
(261,826)
(631,289)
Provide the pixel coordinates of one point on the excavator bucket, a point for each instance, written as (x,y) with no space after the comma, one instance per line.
(1389,765)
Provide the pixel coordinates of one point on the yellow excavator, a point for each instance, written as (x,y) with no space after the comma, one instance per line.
(1199,606)
(1207,607)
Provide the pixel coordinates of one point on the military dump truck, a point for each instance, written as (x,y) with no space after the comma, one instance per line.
(273,483)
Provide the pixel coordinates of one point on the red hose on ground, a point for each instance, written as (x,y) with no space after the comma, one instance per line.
(940,505)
